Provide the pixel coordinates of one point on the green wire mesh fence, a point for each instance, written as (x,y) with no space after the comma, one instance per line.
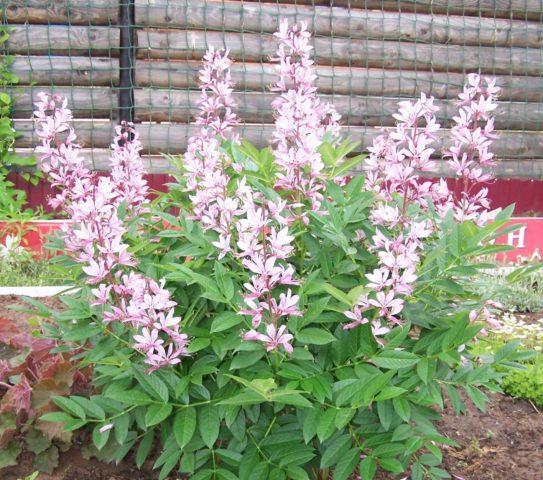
(369,55)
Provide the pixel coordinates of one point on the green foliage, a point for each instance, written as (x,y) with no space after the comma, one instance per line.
(526,382)
(522,294)
(12,200)
(21,267)
(341,403)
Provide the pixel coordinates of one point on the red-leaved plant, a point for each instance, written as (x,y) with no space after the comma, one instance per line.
(33,381)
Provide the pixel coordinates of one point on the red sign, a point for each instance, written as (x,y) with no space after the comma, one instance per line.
(34,232)
(527,240)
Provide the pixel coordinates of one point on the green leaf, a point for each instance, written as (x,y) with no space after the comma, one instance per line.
(226,474)
(390,392)
(449,286)
(326,425)
(425,369)
(336,293)
(168,465)
(121,427)
(36,441)
(246,359)
(188,460)
(456,401)
(347,166)
(157,413)
(335,450)
(385,410)
(151,383)
(391,464)
(144,448)
(395,359)
(368,468)
(99,438)
(91,409)
(275,474)
(74,424)
(225,320)
(299,455)
(209,424)
(47,460)
(224,281)
(402,408)
(244,398)
(130,397)
(69,406)
(210,289)
(184,426)
(56,417)
(315,336)
(347,464)
(198,344)
(477,397)
(291,399)
(9,455)
(309,427)
(297,473)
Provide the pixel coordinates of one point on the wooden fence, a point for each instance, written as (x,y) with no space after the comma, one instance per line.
(369,55)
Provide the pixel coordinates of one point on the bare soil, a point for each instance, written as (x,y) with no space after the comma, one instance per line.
(505,443)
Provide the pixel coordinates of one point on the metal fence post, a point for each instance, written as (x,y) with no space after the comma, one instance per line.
(127,55)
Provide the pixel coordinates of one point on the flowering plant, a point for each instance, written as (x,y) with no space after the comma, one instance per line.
(289,321)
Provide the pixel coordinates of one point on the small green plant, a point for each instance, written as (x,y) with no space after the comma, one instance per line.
(527,382)
(522,294)
(21,267)
(12,200)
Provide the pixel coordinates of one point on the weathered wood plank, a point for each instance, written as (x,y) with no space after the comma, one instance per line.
(521,9)
(337,80)
(74,12)
(173,138)
(63,40)
(225,15)
(76,71)
(95,102)
(192,44)
(255,107)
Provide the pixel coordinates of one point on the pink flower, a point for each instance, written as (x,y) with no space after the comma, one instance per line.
(388,305)
(379,279)
(161,357)
(301,120)
(288,305)
(148,340)
(274,338)
(356,316)
(253,311)
(94,238)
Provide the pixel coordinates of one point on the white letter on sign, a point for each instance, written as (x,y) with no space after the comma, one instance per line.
(517,235)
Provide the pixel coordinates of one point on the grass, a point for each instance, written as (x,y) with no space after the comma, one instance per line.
(24,270)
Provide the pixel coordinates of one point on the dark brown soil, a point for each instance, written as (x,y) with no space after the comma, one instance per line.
(505,443)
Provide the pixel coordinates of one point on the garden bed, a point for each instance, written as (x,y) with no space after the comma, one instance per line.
(506,439)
